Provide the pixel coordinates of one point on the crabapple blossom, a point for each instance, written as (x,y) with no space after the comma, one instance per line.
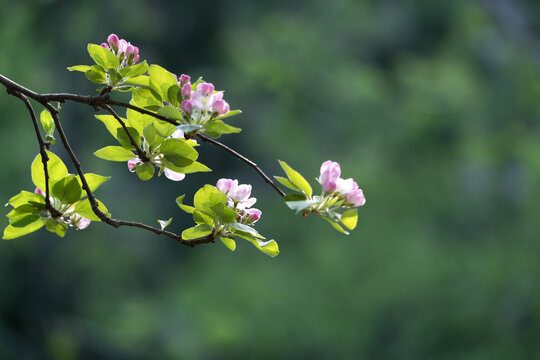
(238,195)
(253,215)
(330,172)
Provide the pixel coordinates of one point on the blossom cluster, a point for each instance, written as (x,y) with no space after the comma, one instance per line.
(203,102)
(156,157)
(238,199)
(127,53)
(333,184)
(69,216)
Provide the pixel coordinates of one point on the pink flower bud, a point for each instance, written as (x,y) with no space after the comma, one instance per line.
(130,50)
(186,91)
(122,47)
(80,222)
(184,79)
(330,172)
(39,192)
(240,193)
(345,186)
(186,106)
(113,41)
(221,107)
(173,175)
(206,89)
(356,198)
(225,185)
(105,45)
(136,58)
(177,134)
(132,164)
(253,215)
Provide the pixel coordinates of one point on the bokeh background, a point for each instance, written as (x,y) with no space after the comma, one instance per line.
(432,106)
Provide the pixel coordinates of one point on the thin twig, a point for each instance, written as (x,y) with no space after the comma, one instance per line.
(44,157)
(141,153)
(244,159)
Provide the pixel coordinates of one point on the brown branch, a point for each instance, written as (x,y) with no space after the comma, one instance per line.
(244,159)
(44,157)
(142,154)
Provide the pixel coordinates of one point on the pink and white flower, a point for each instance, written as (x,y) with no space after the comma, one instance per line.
(253,215)
(330,172)
(238,195)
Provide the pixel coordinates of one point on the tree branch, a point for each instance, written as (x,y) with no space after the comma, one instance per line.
(141,153)
(244,159)
(44,157)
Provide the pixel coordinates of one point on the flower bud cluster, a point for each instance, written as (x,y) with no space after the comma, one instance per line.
(238,199)
(202,103)
(69,217)
(127,53)
(334,185)
(155,158)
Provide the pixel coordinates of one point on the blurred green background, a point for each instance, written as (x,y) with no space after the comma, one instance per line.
(432,106)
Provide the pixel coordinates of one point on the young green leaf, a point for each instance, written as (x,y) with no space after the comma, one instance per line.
(56,227)
(12,232)
(94,181)
(335,225)
(137,120)
(56,169)
(243,228)
(196,232)
(146,98)
(141,80)
(145,171)
(297,179)
(350,218)
(170,112)
(287,183)
(124,139)
(178,152)
(229,243)
(103,57)
(230,113)
(81,68)
(187,128)
(47,121)
(186,208)
(134,70)
(219,127)
(67,190)
(300,205)
(224,213)
(208,196)
(110,123)
(115,153)
(164,223)
(161,80)
(25,197)
(151,136)
(201,218)
(164,128)
(84,208)
(96,74)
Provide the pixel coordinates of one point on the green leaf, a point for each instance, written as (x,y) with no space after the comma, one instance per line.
(84,209)
(145,171)
(81,68)
(151,136)
(350,218)
(146,98)
(134,70)
(67,190)
(161,80)
(174,94)
(124,140)
(94,181)
(47,121)
(286,182)
(25,197)
(25,220)
(12,232)
(178,152)
(201,218)
(164,223)
(208,196)
(269,247)
(96,74)
(243,228)
(297,179)
(224,213)
(335,225)
(187,128)
(141,80)
(103,57)
(196,232)
(56,227)
(110,123)
(164,128)
(300,205)
(229,243)
(170,112)
(137,120)
(115,153)
(56,168)
(189,169)
(219,127)
(230,113)
(186,208)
